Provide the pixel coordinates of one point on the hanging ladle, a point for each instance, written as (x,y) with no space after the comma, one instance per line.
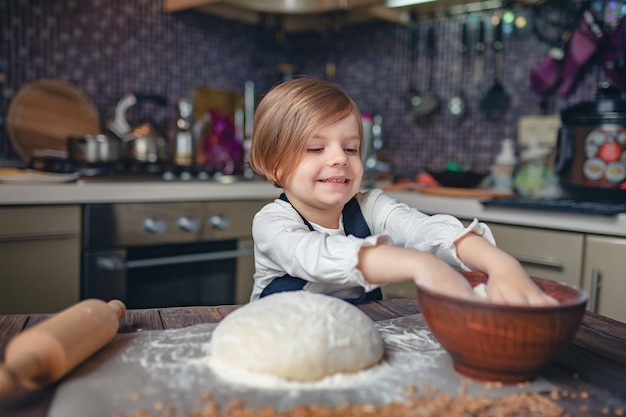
(457,104)
(430,102)
(495,103)
(414,95)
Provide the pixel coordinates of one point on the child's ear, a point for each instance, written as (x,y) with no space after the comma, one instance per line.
(276,177)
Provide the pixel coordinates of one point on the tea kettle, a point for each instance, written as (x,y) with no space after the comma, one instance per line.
(142,143)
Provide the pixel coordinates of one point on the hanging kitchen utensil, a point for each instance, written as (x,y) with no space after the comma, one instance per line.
(614,56)
(479,63)
(142,143)
(497,99)
(457,104)
(332,27)
(430,102)
(414,95)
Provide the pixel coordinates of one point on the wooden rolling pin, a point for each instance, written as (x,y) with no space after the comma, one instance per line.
(46,352)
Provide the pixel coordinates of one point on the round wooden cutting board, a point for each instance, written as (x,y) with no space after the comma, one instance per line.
(44,113)
(463,192)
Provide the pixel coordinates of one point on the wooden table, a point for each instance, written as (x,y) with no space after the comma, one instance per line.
(590,373)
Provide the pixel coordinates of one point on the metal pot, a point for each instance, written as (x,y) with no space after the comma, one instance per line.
(94,149)
(142,143)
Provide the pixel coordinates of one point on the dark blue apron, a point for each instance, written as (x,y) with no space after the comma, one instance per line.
(354,224)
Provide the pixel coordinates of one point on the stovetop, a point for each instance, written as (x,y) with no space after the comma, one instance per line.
(167,176)
(604,208)
(125,171)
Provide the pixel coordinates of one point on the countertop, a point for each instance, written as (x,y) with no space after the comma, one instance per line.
(590,375)
(82,192)
(470,208)
(129,192)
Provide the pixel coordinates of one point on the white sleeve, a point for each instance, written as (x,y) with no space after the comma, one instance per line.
(410,228)
(284,244)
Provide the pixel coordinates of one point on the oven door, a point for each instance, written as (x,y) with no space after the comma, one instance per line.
(190,274)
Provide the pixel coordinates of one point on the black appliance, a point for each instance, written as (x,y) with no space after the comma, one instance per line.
(591,148)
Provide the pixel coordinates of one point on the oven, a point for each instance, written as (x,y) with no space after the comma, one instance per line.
(168,254)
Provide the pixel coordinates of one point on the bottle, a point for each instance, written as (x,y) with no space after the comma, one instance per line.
(183,138)
(504,166)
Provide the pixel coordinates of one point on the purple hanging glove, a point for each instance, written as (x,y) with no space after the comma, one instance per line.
(583,44)
(547,74)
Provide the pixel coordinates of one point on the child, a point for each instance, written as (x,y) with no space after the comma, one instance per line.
(324,235)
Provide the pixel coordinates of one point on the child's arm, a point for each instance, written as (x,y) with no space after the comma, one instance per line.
(508,282)
(384,264)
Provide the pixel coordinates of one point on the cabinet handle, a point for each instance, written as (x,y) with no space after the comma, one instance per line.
(118,264)
(551,263)
(595,289)
(39,236)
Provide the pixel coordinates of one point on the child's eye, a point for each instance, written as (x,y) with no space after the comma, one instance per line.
(315,149)
(352,150)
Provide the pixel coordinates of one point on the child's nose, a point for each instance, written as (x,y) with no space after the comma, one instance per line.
(337,156)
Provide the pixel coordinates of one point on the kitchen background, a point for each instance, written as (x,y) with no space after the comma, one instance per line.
(108,48)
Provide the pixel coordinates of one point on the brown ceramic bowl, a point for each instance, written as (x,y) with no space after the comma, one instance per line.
(504,343)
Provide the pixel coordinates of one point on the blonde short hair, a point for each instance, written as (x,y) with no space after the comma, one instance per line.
(287,117)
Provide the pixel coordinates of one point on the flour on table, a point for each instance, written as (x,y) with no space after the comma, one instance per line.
(175,367)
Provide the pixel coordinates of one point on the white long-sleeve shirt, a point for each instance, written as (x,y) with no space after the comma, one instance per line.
(327,258)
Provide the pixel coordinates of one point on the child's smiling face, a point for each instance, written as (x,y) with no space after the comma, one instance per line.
(329,174)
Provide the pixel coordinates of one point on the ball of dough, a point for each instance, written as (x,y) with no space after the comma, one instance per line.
(297,335)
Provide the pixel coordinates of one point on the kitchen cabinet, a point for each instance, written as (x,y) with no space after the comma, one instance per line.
(550,254)
(603,275)
(592,262)
(40,251)
(40,258)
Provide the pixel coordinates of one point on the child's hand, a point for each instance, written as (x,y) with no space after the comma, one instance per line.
(515,287)
(508,282)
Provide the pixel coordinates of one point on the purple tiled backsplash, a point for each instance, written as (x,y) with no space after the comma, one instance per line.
(110,47)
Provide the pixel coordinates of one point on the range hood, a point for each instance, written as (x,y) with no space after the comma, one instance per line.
(302,15)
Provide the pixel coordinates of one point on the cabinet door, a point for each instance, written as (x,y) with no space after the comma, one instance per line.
(603,277)
(549,254)
(245,273)
(39,258)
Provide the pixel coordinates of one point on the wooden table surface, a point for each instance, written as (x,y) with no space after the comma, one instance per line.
(590,374)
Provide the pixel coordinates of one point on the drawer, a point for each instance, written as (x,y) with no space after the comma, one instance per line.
(34,222)
(543,253)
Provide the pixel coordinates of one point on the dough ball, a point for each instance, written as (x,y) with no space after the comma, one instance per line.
(297,335)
